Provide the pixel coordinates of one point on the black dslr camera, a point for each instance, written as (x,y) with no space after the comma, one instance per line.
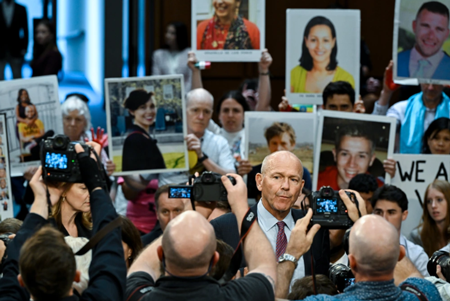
(329,210)
(206,188)
(6,240)
(341,275)
(441,258)
(59,160)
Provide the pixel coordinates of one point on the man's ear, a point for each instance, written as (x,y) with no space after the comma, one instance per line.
(414,24)
(160,253)
(215,259)
(19,278)
(402,253)
(334,154)
(404,215)
(372,159)
(352,262)
(77,277)
(259,178)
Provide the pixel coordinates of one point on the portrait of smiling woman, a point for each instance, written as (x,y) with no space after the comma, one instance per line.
(318,62)
(227,29)
(138,144)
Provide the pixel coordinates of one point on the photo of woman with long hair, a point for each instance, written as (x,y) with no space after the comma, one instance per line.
(318,62)
(140,151)
(433,232)
(227,29)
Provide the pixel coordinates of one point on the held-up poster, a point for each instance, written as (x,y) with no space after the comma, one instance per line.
(349,144)
(414,174)
(421,42)
(146,121)
(6,203)
(33,113)
(322,46)
(228,31)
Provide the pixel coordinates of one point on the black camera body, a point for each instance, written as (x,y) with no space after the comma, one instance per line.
(59,160)
(341,275)
(441,258)
(206,188)
(6,240)
(329,211)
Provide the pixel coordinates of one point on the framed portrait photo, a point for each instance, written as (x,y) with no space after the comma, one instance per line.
(6,203)
(349,144)
(33,114)
(146,122)
(228,31)
(322,46)
(421,42)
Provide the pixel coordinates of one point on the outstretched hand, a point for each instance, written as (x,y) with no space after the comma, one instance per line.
(237,194)
(40,189)
(302,238)
(101,138)
(351,206)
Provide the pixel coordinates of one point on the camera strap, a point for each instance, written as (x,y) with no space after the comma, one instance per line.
(413,290)
(99,235)
(248,221)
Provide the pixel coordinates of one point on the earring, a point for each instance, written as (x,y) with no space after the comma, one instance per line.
(63,198)
(129,258)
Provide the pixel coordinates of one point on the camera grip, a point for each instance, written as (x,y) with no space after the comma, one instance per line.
(90,172)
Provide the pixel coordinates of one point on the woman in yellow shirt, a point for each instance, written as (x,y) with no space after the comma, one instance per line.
(318,65)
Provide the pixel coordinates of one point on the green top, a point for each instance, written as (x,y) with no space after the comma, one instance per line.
(298,78)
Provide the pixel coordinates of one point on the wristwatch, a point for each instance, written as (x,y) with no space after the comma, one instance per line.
(203,158)
(288,257)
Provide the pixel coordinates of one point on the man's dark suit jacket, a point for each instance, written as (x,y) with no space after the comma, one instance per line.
(226,229)
(15,37)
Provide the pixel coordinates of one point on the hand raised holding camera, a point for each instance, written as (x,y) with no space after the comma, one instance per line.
(237,194)
(40,194)
(351,206)
(90,171)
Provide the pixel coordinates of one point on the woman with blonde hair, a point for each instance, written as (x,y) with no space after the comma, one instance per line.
(433,232)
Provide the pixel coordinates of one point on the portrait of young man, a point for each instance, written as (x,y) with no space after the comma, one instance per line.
(426,59)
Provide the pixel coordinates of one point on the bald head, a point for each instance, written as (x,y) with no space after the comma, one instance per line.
(189,242)
(276,158)
(374,243)
(199,94)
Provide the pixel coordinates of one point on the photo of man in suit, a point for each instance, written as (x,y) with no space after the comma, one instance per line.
(13,37)
(426,59)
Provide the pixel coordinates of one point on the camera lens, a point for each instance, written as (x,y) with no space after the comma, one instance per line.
(60,142)
(441,258)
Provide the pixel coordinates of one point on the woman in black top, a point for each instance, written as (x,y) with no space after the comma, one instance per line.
(140,151)
(47,59)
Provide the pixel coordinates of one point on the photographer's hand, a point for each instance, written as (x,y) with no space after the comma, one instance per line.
(299,243)
(439,273)
(89,169)
(237,196)
(351,207)
(40,205)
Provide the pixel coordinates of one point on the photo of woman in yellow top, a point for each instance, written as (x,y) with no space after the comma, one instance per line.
(318,64)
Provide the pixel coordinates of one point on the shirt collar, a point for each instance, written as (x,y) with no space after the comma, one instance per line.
(267,221)
(434,60)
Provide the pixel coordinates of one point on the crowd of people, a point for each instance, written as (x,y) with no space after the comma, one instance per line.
(128,238)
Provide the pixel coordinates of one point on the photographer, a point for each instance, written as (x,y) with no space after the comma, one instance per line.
(46,262)
(187,252)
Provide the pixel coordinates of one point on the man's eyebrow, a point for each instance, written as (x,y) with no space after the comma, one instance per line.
(343,149)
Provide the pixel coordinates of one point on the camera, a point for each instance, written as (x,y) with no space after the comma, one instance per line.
(59,159)
(341,275)
(6,240)
(329,210)
(441,258)
(206,188)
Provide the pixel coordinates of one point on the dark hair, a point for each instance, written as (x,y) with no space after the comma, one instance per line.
(363,183)
(131,236)
(304,287)
(306,60)
(250,83)
(20,92)
(225,254)
(38,50)
(47,265)
(159,191)
(181,34)
(339,88)
(434,7)
(353,131)
(433,129)
(277,129)
(137,98)
(10,225)
(236,95)
(79,95)
(390,193)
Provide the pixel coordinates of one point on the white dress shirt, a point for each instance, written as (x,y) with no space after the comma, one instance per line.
(268,224)
(8,12)
(416,254)
(433,63)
